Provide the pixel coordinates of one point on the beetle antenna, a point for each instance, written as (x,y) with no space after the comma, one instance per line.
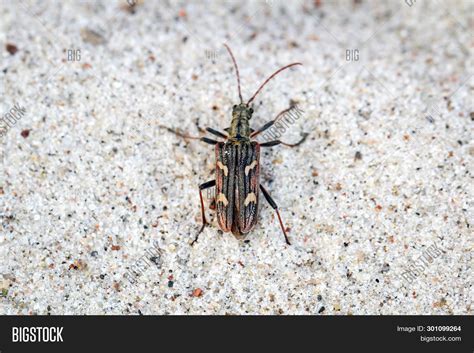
(268,79)
(236,71)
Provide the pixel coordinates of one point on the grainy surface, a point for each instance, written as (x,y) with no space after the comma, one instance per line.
(90,182)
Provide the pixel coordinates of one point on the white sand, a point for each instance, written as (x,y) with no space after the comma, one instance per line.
(97,182)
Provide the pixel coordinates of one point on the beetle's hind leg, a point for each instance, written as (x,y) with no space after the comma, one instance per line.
(275,207)
(206,185)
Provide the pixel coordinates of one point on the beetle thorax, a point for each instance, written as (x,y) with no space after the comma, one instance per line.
(239,129)
(240,125)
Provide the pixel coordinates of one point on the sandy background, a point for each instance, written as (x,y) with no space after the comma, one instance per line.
(95,195)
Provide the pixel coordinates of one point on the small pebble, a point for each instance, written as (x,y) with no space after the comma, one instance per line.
(25,133)
(11,48)
(197,292)
(92,37)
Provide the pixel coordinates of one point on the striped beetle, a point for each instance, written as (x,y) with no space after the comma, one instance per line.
(238,166)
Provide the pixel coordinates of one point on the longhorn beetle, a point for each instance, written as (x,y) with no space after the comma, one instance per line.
(238,166)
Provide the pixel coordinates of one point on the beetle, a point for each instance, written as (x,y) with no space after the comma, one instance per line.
(238,166)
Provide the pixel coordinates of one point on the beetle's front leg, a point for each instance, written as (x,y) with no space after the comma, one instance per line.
(203,139)
(270,123)
(278,142)
(202,187)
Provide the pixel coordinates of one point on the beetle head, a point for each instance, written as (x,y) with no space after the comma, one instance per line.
(242,110)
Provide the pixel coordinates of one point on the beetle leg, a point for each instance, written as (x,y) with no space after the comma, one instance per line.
(209,141)
(206,185)
(270,123)
(216,133)
(203,139)
(277,142)
(275,207)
